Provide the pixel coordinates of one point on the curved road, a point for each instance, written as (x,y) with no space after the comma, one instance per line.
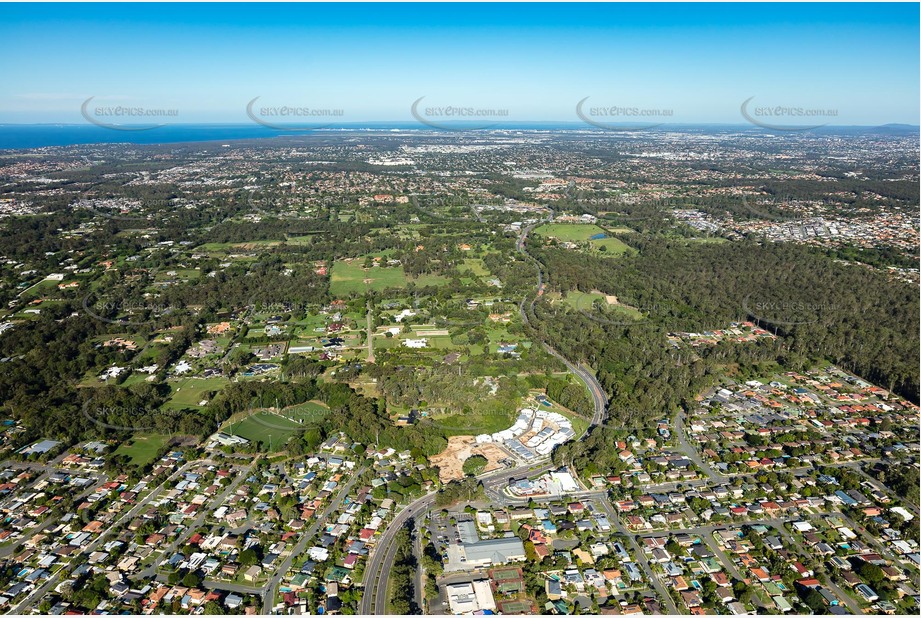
(374,599)
(599,398)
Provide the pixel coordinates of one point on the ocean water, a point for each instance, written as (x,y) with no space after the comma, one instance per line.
(40,136)
(23,136)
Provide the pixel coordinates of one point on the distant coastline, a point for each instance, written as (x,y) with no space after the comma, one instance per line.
(28,136)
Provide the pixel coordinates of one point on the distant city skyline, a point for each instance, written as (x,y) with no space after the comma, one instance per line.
(835,64)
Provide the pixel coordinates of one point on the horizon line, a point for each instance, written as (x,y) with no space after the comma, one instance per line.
(419,125)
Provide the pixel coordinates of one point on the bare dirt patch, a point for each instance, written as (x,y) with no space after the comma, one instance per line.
(610,299)
(450,461)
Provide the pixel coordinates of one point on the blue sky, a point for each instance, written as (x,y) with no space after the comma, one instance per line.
(535,61)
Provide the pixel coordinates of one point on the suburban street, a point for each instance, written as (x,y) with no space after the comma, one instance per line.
(847,599)
(374,600)
(151,571)
(268,593)
(637,551)
(52,581)
(692,453)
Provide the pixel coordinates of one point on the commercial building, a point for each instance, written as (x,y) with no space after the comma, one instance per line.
(469,556)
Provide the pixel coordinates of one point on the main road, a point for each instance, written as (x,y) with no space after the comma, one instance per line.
(599,399)
(374,599)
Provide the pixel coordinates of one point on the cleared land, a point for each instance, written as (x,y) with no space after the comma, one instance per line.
(213,247)
(573,232)
(474,423)
(192,391)
(577,232)
(612,246)
(142,449)
(351,276)
(586,301)
(474,266)
(450,461)
(269,428)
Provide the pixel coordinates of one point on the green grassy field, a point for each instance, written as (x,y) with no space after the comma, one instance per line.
(45,287)
(300,240)
(142,449)
(182,274)
(230,247)
(474,266)
(307,412)
(192,390)
(424,280)
(612,246)
(148,353)
(271,429)
(439,342)
(311,321)
(573,232)
(348,277)
(576,232)
(471,424)
(135,378)
(585,301)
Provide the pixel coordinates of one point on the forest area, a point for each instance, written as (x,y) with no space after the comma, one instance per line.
(696,287)
(849,315)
